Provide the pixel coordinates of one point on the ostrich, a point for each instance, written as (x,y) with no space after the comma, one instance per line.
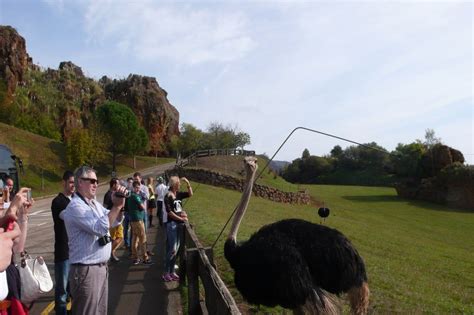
(295,264)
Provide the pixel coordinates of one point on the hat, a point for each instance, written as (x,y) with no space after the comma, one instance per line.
(159,179)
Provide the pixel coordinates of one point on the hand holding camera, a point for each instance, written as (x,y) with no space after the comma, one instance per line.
(118,198)
(20,205)
(122,192)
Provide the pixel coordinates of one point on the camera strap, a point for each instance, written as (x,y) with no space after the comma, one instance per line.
(92,205)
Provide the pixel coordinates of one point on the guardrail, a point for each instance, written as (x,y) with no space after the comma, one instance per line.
(197,263)
(212,152)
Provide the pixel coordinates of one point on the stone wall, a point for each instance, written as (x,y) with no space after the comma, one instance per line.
(230,182)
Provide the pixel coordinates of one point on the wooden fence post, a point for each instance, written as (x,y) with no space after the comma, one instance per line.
(192,273)
(182,255)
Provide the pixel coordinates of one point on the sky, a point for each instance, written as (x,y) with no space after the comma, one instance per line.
(369,71)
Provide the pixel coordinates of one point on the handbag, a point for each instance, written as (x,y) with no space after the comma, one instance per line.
(35,278)
(3,286)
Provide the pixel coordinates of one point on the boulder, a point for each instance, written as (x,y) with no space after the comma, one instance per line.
(70,67)
(446,180)
(438,157)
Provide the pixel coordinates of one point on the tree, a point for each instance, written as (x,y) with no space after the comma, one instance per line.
(120,123)
(430,139)
(190,140)
(406,160)
(78,146)
(305,154)
(336,152)
(242,139)
(370,158)
(85,147)
(220,137)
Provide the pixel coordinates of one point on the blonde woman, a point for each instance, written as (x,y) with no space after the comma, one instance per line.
(176,218)
(152,201)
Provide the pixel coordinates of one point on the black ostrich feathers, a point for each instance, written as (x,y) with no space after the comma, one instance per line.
(292,261)
(323,212)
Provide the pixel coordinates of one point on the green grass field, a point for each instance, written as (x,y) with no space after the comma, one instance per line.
(419,256)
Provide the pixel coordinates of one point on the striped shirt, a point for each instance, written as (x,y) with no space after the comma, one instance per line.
(85,224)
(144,194)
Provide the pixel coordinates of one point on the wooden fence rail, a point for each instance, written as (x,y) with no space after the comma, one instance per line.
(197,263)
(212,152)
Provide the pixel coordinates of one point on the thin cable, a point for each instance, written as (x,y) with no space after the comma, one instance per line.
(278,150)
(320,132)
(187,199)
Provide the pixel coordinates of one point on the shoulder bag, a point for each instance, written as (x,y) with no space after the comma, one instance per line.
(35,278)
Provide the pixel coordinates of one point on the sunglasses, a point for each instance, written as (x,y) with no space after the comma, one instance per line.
(91,180)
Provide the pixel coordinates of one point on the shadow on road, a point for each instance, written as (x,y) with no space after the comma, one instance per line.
(140,289)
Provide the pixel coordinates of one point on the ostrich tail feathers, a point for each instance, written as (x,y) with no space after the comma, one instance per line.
(320,303)
(359,299)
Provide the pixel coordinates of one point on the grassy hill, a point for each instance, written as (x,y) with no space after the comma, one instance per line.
(44,160)
(418,255)
(233,165)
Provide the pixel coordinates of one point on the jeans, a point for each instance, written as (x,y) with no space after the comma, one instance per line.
(61,273)
(126,234)
(145,220)
(172,245)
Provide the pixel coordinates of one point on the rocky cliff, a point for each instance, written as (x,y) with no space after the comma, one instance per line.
(14,60)
(150,104)
(54,101)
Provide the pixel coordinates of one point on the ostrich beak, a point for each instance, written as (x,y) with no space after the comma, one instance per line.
(251,162)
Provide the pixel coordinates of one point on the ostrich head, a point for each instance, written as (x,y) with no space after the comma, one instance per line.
(250,165)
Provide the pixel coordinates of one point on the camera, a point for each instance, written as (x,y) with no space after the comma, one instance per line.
(104,240)
(28,195)
(125,194)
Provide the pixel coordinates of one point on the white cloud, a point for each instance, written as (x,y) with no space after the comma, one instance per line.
(179,33)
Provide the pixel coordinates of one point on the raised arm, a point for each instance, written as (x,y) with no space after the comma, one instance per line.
(190,189)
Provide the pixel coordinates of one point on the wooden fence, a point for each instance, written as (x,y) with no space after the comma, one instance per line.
(196,263)
(212,152)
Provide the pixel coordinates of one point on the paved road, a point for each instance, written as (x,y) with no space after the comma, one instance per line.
(132,289)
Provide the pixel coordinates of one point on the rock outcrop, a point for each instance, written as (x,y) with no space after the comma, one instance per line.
(150,104)
(77,95)
(438,158)
(446,179)
(66,99)
(14,59)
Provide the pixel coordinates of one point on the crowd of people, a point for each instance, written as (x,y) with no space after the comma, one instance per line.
(88,233)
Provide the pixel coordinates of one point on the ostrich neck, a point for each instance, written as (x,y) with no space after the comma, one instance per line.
(242,207)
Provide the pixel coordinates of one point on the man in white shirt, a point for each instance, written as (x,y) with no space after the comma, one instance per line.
(160,192)
(87,223)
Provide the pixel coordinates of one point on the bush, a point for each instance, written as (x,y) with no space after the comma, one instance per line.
(457,174)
